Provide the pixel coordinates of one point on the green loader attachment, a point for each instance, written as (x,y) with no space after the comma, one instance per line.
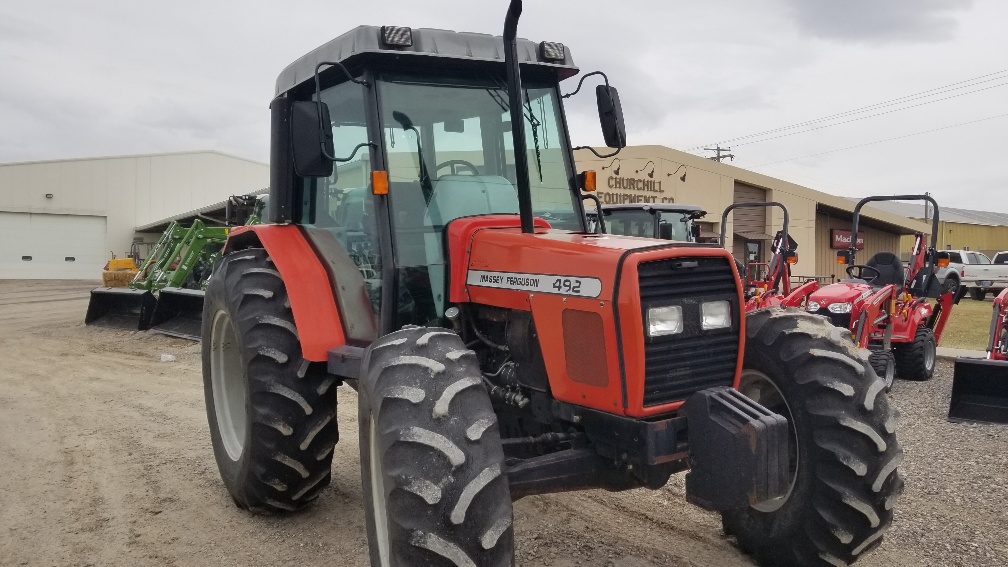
(166,295)
(179,310)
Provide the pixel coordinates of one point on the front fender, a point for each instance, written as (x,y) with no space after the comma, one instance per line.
(318,322)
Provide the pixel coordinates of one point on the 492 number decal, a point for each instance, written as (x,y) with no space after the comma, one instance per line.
(569,286)
(543,283)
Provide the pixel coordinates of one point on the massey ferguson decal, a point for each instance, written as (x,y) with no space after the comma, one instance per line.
(541,283)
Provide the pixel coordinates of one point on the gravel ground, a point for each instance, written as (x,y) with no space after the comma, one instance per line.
(105,459)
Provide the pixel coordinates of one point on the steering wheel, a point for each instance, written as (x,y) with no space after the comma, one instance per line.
(861,269)
(453,162)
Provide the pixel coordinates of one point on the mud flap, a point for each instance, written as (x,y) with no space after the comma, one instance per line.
(120,308)
(979,391)
(179,313)
(738,451)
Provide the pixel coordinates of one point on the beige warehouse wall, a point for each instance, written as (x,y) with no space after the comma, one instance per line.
(875,241)
(956,236)
(129,191)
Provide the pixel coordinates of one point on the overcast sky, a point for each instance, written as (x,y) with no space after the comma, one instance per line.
(852,97)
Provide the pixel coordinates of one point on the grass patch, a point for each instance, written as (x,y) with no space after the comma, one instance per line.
(969,325)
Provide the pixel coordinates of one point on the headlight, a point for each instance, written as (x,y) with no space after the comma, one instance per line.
(716,315)
(840,308)
(812,306)
(664,320)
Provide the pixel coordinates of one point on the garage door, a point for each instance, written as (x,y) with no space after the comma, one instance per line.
(45,246)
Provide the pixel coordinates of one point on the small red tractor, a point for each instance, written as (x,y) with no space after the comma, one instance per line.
(980,386)
(497,355)
(885,305)
(768,284)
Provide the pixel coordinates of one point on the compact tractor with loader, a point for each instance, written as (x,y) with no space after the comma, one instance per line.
(980,386)
(769,284)
(495,354)
(885,306)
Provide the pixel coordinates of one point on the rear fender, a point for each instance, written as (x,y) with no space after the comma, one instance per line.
(316,317)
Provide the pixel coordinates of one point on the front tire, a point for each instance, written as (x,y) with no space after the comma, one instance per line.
(843,445)
(432,465)
(916,361)
(272,414)
(884,364)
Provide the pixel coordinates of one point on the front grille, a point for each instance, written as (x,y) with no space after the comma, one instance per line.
(677,365)
(838,319)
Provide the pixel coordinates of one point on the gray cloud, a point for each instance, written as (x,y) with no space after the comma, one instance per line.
(879,21)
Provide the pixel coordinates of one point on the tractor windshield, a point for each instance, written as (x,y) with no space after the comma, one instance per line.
(450,153)
(630,222)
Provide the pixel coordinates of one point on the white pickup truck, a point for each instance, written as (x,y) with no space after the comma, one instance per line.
(978,273)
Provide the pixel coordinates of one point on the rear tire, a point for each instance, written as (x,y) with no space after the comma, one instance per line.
(916,361)
(432,465)
(844,449)
(978,294)
(272,413)
(884,364)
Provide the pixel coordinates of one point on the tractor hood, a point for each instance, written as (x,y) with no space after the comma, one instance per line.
(841,293)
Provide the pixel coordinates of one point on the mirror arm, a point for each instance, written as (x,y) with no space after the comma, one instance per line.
(353,153)
(598,155)
(318,105)
(581,82)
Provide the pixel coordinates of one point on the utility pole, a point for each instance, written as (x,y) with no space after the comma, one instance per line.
(720,156)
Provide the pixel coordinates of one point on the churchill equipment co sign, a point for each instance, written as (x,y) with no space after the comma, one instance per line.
(841,239)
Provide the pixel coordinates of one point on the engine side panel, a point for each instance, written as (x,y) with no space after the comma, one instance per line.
(311,297)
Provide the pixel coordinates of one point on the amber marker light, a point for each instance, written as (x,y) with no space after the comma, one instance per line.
(379,182)
(588,180)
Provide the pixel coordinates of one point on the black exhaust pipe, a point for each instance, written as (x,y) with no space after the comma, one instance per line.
(517,115)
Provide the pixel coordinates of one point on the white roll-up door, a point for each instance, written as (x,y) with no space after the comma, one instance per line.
(47,246)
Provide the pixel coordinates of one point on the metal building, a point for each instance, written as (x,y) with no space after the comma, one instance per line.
(64,219)
(657,174)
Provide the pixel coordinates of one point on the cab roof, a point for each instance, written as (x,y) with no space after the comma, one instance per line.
(433,46)
(693,210)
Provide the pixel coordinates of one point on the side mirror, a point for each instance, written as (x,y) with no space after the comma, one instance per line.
(611,116)
(310,141)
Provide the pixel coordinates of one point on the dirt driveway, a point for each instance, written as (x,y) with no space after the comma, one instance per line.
(105,459)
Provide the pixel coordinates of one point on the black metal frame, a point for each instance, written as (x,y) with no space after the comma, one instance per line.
(932,253)
(784,234)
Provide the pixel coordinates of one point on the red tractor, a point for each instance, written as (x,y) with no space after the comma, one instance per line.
(885,305)
(769,284)
(980,386)
(497,355)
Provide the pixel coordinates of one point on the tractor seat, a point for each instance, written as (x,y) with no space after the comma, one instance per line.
(457,196)
(890,269)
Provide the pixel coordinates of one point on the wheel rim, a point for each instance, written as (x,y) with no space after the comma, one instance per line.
(890,372)
(929,355)
(378,496)
(758,387)
(227,378)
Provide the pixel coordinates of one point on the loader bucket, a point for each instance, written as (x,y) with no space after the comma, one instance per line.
(179,313)
(979,391)
(120,308)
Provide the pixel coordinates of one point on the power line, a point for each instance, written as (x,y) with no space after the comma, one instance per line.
(885,140)
(907,98)
(868,116)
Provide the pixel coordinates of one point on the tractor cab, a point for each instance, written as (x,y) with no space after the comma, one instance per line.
(419,131)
